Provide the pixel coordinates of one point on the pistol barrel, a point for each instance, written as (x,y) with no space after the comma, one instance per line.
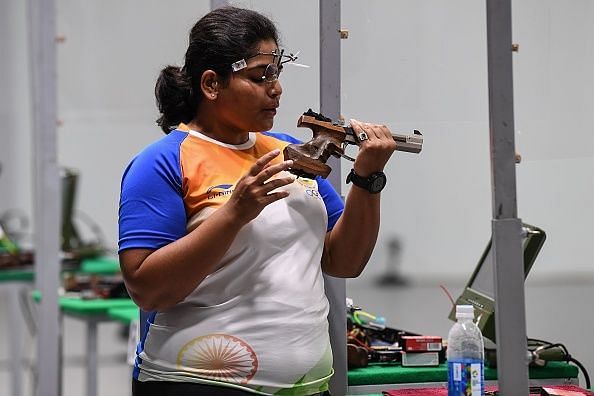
(409,143)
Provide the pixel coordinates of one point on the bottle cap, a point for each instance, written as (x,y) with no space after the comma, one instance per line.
(464,311)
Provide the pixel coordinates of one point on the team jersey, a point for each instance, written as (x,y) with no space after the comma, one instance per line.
(259,321)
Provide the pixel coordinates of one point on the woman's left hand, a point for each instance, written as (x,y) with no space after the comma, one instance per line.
(375,151)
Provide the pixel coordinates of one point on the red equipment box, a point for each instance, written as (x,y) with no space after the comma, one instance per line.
(421,343)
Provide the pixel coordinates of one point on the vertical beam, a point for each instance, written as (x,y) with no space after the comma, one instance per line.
(92,357)
(42,33)
(510,316)
(330,73)
(330,107)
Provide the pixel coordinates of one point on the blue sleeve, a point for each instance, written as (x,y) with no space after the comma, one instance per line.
(333,201)
(152,212)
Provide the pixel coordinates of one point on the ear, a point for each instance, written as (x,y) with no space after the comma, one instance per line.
(209,84)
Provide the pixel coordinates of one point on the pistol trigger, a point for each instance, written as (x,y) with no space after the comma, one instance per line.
(344,146)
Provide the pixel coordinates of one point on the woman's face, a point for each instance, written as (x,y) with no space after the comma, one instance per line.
(248,103)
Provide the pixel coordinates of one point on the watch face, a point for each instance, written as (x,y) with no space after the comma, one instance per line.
(374,183)
(378,183)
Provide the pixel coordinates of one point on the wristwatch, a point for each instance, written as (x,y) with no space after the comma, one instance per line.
(374,183)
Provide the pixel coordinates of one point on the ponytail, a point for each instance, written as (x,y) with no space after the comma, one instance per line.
(175,99)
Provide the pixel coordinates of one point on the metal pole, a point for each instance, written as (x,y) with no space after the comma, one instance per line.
(16,332)
(510,316)
(330,73)
(42,33)
(92,357)
(330,107)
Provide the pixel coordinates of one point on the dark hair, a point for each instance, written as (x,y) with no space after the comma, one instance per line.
(220,38)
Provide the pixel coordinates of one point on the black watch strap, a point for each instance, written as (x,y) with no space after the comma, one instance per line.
(374,183)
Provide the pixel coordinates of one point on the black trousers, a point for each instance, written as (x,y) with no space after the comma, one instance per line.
(166,388)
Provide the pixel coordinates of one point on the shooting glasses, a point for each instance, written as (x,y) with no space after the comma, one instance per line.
(272,70)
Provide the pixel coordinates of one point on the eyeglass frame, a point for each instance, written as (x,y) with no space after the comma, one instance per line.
(272,70)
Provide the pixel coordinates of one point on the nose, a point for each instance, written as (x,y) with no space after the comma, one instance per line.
(275,88)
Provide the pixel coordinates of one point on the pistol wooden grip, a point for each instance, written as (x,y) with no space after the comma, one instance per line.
(310,157)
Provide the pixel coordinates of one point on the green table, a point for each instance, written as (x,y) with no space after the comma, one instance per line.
(19,275)
(124,314)
(93,307)
(18,283)
(86,307)
(378,377)
(100,266)
(95,266)
(92,311)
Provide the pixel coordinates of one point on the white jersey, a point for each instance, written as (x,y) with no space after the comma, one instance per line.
(259,322)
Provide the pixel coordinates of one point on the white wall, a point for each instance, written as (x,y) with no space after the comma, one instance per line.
(422,65)
(554,96)
(107,70)
(409,64)
(15,119)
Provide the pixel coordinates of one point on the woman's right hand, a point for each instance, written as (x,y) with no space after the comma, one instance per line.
(253,191)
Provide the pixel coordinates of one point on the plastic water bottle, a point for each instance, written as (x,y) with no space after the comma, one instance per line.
(466,355)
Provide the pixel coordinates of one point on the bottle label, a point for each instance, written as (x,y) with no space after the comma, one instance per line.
(465,377)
